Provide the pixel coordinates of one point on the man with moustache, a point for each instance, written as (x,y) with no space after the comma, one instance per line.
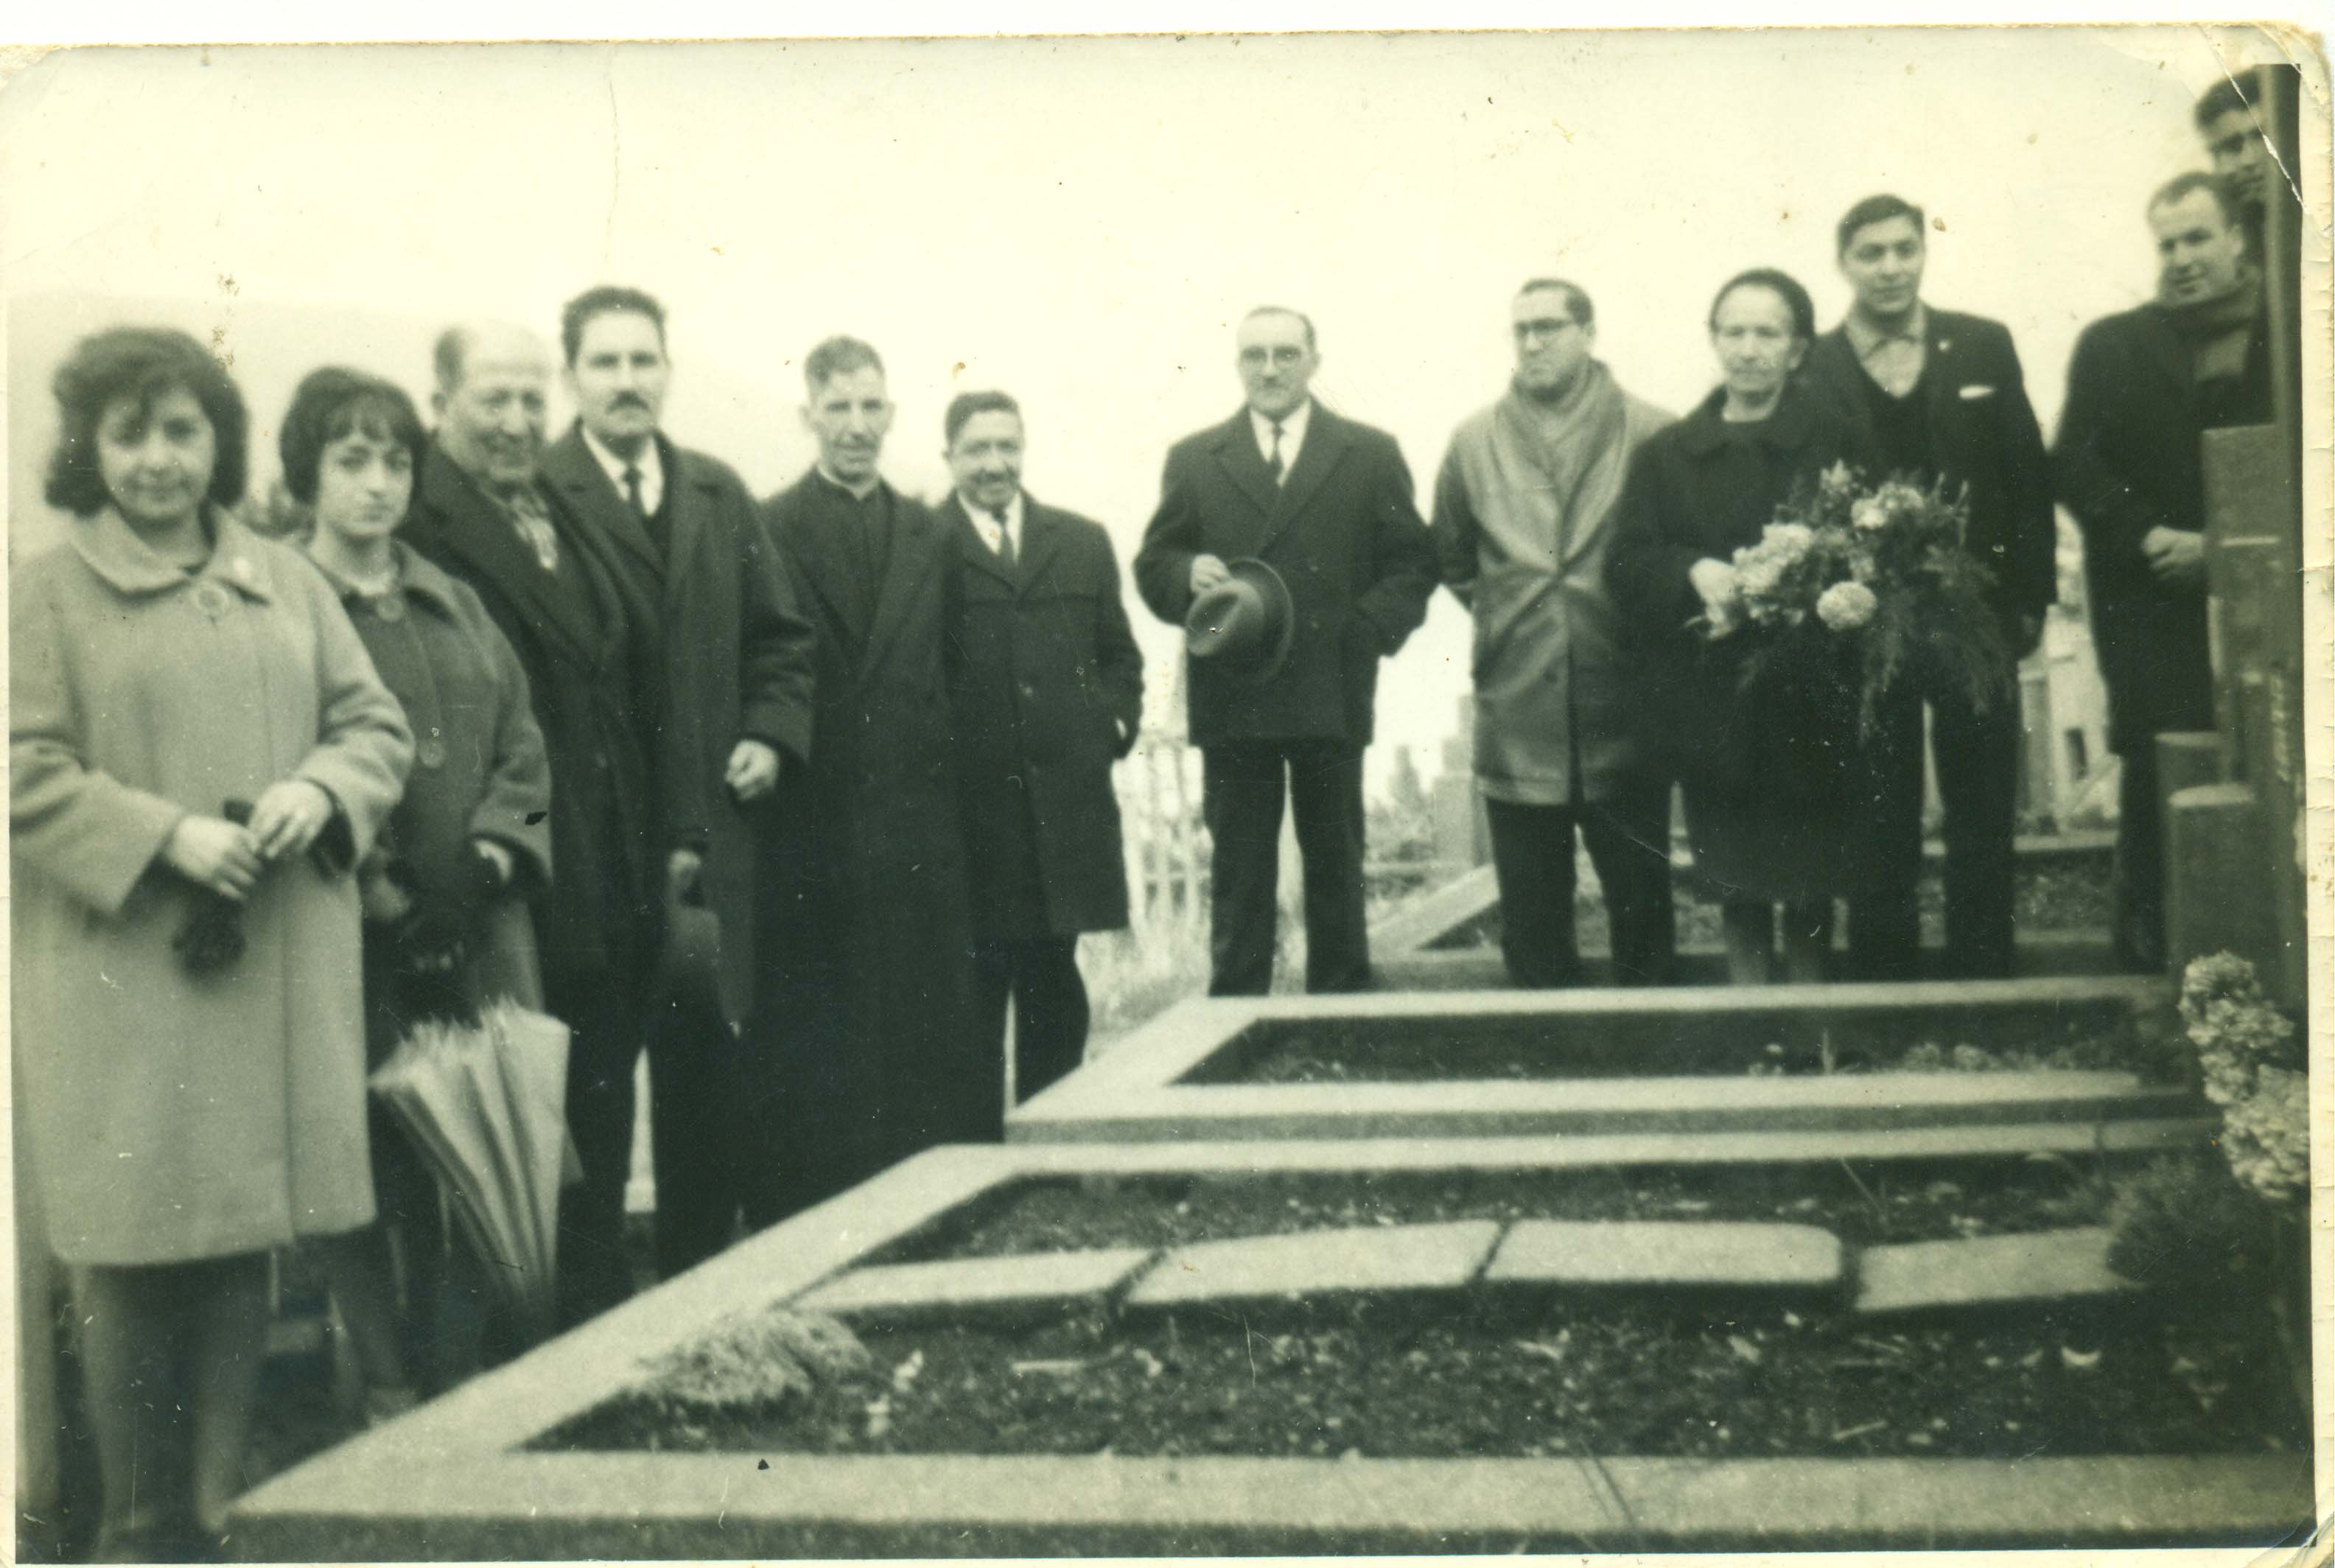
(733,706)
(2142,389)
(483,512)
(1520,533)
(865,965)
(1048,694)
(1939,397)
(1327,504)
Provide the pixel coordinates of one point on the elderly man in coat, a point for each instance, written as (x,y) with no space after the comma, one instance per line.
(483,512)
(700,577)
(2143,388)
(1048,694)
(1328,505)
(1520,533)
(866,950)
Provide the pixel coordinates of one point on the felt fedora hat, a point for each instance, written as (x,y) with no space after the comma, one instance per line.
(1244,624)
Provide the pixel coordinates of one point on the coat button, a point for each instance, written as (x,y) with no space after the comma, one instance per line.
(432,751)
(390,607)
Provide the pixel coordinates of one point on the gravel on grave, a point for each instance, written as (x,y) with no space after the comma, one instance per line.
(2054,892)
(1869,1203)
(1385,1378)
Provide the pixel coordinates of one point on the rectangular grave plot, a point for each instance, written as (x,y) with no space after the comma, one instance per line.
(478,1473)
(1629,1039)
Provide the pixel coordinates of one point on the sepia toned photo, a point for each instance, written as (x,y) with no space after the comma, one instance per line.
(1210,795)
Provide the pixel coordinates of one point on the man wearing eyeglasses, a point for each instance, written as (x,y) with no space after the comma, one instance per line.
(1520,534)
(1328,505)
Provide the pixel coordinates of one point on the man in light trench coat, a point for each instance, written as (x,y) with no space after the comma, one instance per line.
(1520,536)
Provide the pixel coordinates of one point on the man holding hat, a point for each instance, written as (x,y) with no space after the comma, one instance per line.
(1289,545)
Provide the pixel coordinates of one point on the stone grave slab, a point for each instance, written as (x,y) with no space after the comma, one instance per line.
(1660,1061)
(2066,1265)
(1026,1287)
(1682,1253)
(457,1479)
(1319,1263)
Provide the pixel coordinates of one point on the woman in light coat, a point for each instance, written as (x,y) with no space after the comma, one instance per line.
(188,1105)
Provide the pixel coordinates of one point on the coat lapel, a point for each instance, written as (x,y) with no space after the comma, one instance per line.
(1326,438)
(690,496)
(1042,539)
(913,559)
(956,523)
(457,521)
(571,470)
(1245,465)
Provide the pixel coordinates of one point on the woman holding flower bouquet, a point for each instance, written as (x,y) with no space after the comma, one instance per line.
(1769,750)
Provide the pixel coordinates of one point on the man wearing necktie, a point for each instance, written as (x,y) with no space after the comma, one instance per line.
(1939,397)
(1048,693)
(1328,503)
(728,677)
(865,947)
(483,512)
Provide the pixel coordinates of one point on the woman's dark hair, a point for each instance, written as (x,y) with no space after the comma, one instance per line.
(141,363)
(334,402)
(1784,286)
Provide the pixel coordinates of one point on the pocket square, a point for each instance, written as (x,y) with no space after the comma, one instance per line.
(1972,393)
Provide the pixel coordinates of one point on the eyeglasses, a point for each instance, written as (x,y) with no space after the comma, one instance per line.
(1545,326)
(1284,354)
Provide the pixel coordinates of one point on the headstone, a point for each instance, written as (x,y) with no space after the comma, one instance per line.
(2213,895)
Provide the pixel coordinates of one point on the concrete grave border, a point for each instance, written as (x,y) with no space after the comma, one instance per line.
(1135,1092)
(452,1480)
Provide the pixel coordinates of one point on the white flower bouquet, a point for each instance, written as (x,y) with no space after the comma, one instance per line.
(1877,574)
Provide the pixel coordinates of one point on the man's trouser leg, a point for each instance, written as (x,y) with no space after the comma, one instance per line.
(1976,754)
(1629,840)
(2140,934)
(1532,858)
(1242,794)
(1050,1012)
(1325,792)
(698,1093)
(603,1015)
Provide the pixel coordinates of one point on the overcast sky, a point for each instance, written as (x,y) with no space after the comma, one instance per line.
(1078,221)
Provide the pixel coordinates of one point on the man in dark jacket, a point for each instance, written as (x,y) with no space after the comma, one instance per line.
(866,944)
(1939,396)
(733,707)
(481,512)
(1329,505)
(1049,693)
(2142,389)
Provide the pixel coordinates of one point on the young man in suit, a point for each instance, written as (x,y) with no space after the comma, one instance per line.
(483,512)
(2142,389)
(1048,693)
(1329,505)
(729,705)
(1939,396)
(866,945)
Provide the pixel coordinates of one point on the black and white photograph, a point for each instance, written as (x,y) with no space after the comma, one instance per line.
(1170,794)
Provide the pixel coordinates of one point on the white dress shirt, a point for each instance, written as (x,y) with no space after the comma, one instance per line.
(650,464)
(1293,435)
(984,523)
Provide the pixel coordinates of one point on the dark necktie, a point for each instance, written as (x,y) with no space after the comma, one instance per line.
(633,492)
(1004,539)
(1280,469)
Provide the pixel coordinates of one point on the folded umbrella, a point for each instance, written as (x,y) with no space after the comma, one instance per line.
(486,1104)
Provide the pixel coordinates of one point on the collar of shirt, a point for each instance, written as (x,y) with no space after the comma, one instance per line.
(650,464)
(1894,359)
(874,484)
(1292,434)
(985,522)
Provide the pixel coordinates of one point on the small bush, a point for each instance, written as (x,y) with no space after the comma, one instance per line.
(2186,1225)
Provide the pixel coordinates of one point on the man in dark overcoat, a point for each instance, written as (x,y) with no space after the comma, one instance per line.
(1329,504)
(1049,693)
(866,945)
(733,710)
(1939,397)
(483,512)
(2142,389)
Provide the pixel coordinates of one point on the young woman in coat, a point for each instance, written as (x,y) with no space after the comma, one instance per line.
(446,931)
(1770,792)
(188,1105)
